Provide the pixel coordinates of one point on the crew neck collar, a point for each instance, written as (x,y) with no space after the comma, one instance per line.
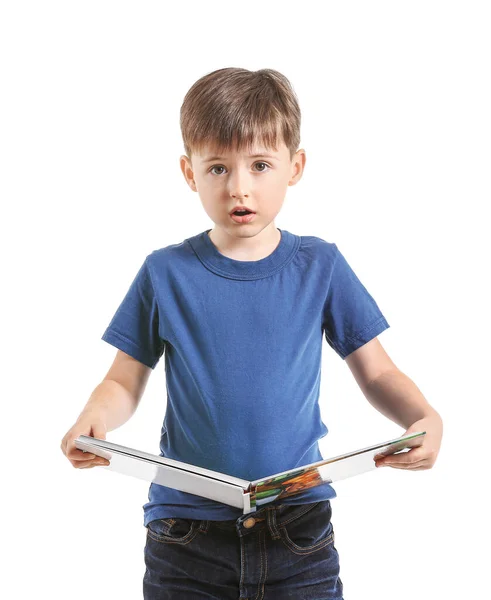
(222,265)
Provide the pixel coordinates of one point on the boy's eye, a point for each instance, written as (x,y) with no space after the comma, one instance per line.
(216,167)
(221,167)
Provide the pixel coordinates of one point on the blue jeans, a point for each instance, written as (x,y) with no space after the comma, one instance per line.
(278,552)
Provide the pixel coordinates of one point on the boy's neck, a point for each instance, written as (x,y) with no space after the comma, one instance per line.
(246,248)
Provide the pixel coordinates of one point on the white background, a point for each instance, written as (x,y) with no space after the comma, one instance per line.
(395,100)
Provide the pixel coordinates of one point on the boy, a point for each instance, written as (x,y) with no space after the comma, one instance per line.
(240,311)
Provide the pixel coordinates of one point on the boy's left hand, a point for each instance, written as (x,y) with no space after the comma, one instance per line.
(424,456)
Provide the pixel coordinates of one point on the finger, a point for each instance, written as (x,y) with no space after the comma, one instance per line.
(405,458)
(411,468)
(76,462)
(401,463)
(76,454)
(93,464)
(402,460)
(414,466)
(87,460)
(413,455)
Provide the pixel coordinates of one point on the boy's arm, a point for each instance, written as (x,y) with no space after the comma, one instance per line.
(387,389)
(398,398)
(369,362)
(117,397)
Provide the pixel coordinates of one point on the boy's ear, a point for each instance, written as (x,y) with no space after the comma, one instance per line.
(298,165)
(187,171)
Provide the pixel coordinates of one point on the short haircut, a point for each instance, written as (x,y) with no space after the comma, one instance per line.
(234,108)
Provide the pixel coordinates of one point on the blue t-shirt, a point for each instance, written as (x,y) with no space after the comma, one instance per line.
(242,342)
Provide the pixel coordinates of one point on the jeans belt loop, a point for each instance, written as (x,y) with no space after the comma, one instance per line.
(272,525)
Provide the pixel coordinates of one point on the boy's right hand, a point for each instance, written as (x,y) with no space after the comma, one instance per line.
(91,424)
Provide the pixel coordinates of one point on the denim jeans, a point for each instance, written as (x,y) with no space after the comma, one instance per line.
(278,552)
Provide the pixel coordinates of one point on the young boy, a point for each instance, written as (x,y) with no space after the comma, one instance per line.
(239,312)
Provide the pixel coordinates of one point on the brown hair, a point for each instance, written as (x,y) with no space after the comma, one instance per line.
(234,108)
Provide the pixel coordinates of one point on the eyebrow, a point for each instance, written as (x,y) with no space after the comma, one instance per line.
(250,156)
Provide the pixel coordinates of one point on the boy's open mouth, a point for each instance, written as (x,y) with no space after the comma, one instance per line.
(242,216)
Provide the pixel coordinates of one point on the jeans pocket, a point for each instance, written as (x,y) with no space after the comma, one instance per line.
(309,532)
(174,531)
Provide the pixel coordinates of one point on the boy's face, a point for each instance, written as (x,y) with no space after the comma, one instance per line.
(259,183)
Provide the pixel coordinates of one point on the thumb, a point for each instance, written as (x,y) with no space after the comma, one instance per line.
(99,430)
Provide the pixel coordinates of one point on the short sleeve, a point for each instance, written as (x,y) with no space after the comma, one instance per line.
(134,328)
(351,316)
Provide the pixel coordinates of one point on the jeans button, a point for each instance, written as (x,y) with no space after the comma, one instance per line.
(248,523)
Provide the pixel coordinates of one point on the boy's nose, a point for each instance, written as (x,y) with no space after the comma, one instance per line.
(239,186)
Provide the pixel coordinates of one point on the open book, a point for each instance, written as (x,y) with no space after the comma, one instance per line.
(247,495)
